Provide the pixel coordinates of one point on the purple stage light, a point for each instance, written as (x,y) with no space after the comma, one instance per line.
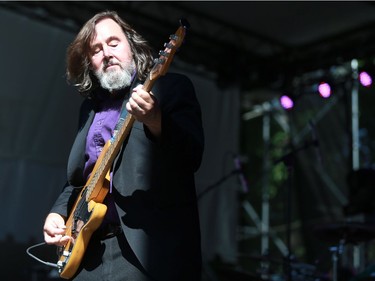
(324,90)
(365,79)
(286,102)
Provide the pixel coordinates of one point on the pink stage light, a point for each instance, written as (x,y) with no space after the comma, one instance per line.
(365,79)
(324,90)
(286,102)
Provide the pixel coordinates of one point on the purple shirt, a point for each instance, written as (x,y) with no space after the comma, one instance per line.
(100,132)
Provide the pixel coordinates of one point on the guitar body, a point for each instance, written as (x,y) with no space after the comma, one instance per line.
(86,216)
(86,222)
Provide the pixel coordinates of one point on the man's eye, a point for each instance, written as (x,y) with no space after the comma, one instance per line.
(96,51)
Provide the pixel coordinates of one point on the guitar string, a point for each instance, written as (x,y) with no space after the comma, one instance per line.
(102,167)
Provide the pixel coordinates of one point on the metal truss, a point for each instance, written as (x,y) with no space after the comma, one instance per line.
(236,54)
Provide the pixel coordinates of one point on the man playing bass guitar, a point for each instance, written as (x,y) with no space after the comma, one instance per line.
(141,223)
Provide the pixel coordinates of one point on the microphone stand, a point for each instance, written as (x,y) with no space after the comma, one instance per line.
(288,160)
(219,182)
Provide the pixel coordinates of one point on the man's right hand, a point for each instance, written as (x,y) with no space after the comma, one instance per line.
(54,230)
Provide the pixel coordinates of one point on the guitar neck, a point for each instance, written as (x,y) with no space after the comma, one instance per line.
(107,157)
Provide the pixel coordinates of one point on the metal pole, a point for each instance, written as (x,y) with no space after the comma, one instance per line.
(355,116)
(358,250)
(262,222)
(265,187)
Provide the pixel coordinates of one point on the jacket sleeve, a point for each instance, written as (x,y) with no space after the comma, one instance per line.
(65,200)
(182,133)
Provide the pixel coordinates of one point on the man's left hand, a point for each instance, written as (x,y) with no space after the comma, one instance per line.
(144,107)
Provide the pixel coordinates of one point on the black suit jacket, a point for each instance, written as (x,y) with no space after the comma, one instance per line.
(153,183)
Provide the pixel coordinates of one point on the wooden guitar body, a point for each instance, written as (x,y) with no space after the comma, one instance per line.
(71,255)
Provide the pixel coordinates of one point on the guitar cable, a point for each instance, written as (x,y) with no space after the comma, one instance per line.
(38,259)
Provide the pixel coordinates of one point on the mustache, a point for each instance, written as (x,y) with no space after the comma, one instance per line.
(108,63)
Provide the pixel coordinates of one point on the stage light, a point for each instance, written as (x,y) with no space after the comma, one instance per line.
(286,102)
(365,79)
(324,90)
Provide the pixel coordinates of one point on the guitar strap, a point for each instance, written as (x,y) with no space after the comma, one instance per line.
(120,123)
(124,112)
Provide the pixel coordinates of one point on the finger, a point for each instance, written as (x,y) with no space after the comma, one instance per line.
(146,96)
(65,239)
(58,240)
(134,108)
(140,86)
(149,97)
(52,240)
(139,99)
(61,225)
(53,229)
(147,103)
(134,105)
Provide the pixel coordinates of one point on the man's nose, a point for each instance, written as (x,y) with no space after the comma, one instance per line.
(106,52)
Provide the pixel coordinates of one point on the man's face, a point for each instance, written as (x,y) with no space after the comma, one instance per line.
(111,56)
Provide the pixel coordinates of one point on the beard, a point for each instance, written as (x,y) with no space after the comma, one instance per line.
(116,79)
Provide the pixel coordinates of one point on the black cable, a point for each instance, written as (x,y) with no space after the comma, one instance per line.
(38,259)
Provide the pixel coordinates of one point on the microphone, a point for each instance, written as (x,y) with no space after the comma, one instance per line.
(241,175)
(315,142)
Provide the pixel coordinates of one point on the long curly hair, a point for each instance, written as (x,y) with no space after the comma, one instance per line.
(78,53)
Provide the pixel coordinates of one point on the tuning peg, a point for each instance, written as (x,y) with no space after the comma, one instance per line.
(163,53)
(168,45)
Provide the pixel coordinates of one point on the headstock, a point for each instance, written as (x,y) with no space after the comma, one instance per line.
(166,56)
